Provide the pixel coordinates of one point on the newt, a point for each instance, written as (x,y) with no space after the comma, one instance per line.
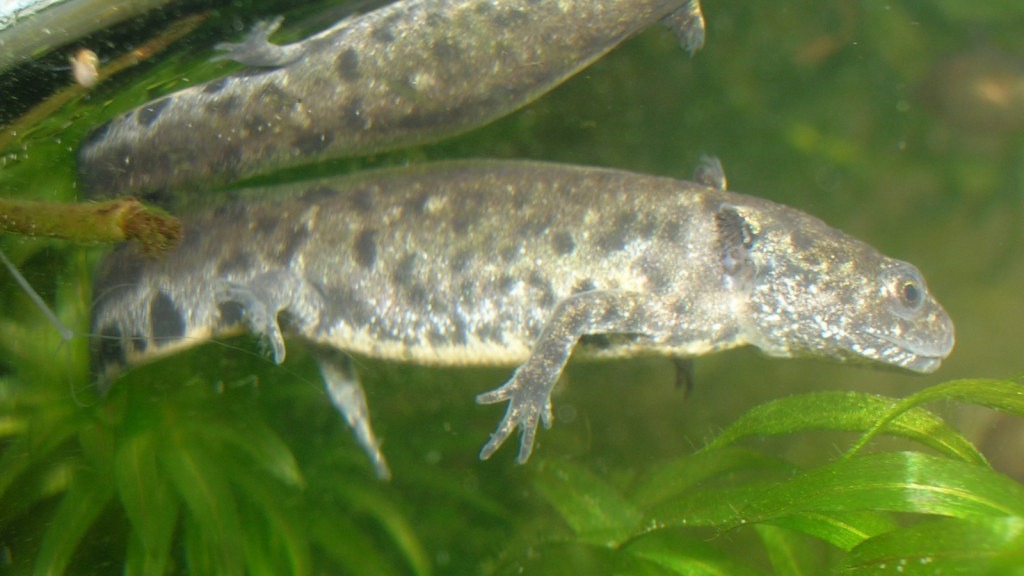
(513,263)
(412,72)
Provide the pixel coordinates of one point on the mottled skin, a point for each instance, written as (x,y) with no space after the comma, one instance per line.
(512,263)
(408,73)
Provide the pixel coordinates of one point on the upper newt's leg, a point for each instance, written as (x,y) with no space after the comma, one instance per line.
(529,390)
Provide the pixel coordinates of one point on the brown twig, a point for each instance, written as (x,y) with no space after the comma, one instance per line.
(113,221)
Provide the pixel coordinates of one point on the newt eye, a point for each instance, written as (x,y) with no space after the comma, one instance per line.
(905,287)
(911,295)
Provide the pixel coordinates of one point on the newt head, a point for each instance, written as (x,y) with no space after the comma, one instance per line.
(811,290)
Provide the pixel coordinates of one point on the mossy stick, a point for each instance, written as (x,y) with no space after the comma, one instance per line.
(113,221)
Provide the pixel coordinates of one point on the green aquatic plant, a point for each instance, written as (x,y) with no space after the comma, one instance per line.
(906,512)
(179,477)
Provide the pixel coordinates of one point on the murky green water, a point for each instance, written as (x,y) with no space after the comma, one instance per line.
(900,122)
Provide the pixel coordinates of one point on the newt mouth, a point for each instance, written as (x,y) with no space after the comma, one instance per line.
(923,357)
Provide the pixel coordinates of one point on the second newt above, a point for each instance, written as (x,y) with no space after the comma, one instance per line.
(513,263)
(411,72)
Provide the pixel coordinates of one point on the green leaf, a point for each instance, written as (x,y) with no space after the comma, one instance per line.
(841,529)
(148,501)
(947,546)
(900,482)
(678,476)
(258,441)
(683,554)
(788,551)
(1004,395)
(214,523)
(86,497)
(391,519)
(271,523)
(847,411)
(345,543)
(575,559)
(594,509)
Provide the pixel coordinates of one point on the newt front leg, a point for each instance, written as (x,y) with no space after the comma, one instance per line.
(529,390)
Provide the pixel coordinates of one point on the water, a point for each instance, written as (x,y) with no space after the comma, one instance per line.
(898,122)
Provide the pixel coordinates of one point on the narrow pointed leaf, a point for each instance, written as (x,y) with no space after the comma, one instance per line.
(899,482)
(847,411)
(947,546)
(86,497)
(272,523)
(347,544)
(683,554)
(789,552)
(151,505)
(260,443)
(594,509)
(841,529)
(1004,395)
(678,476)
(207,495)
(392,520)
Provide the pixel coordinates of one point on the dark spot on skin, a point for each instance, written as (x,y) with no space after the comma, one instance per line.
(139,344)
(215,86)
(404,273)
(231,313)
(345,305)
(483,8)
(255,123)
(383,35)
(611,315)
(461,222)
(237,262)
(150,112)
(562,243)
(418,295)
(347,65)
(417,203)
(458,262)
(648,228)
(585,285)
(110,349)
(312,143)
(365,247)
(599,341)
(672,231)
(681,307)
(506,283)
(511,18)
(221,106)
(319,194)
(362,201)
(509,253)
(488,332)
(165,321)
(539,282)
(618,235)
(444,50)
(296,240)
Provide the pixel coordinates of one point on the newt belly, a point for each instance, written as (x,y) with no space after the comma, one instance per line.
(512,263)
